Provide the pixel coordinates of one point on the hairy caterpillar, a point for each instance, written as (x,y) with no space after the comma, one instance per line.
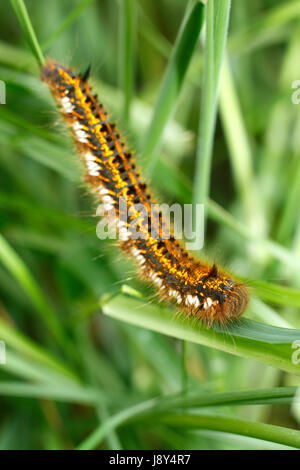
(202,291)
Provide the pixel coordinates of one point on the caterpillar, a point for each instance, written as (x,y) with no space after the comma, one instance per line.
(198,289)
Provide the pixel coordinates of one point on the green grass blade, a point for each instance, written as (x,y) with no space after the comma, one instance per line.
(67,22)
(57,392)
(286,225)
(27,28)
(275,294)
(27,348)
(268,432)
(20,272)
(172,82)
(238,144)
(25,368)
(152,34)
(267,344)
(154,408)
(266,26)
(217,17)
(127,20)
(232,398)
(279,252)
(96,437)
(264,313)
(16,57)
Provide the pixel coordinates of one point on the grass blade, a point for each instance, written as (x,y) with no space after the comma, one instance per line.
(27,28)
(172,82)
(238,144)
(217,17)
(154,408)
(82,395)
(268,432)
(267,344)
(27,348)
(20,272)
(67,22)
(127,18)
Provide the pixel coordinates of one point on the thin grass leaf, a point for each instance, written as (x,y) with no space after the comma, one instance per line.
(268,432)
(172,82)
(286,225)
(152,34)
(262,312)
(239,149)
(279,252)
(217,18)
(41,213)
(264,28)
(91,366)
(21,273)
(267,344)
(27,348)
(232,398)
(67,22)
(11,55)
(25,368)
(276,294)
(152,409)
(126,69)
(25,23)
(58,392)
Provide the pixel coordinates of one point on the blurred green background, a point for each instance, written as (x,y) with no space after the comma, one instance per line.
(69,368)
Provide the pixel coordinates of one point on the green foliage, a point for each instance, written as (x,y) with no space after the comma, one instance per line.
(92,358)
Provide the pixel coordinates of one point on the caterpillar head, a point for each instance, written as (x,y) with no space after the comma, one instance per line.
(223,299)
